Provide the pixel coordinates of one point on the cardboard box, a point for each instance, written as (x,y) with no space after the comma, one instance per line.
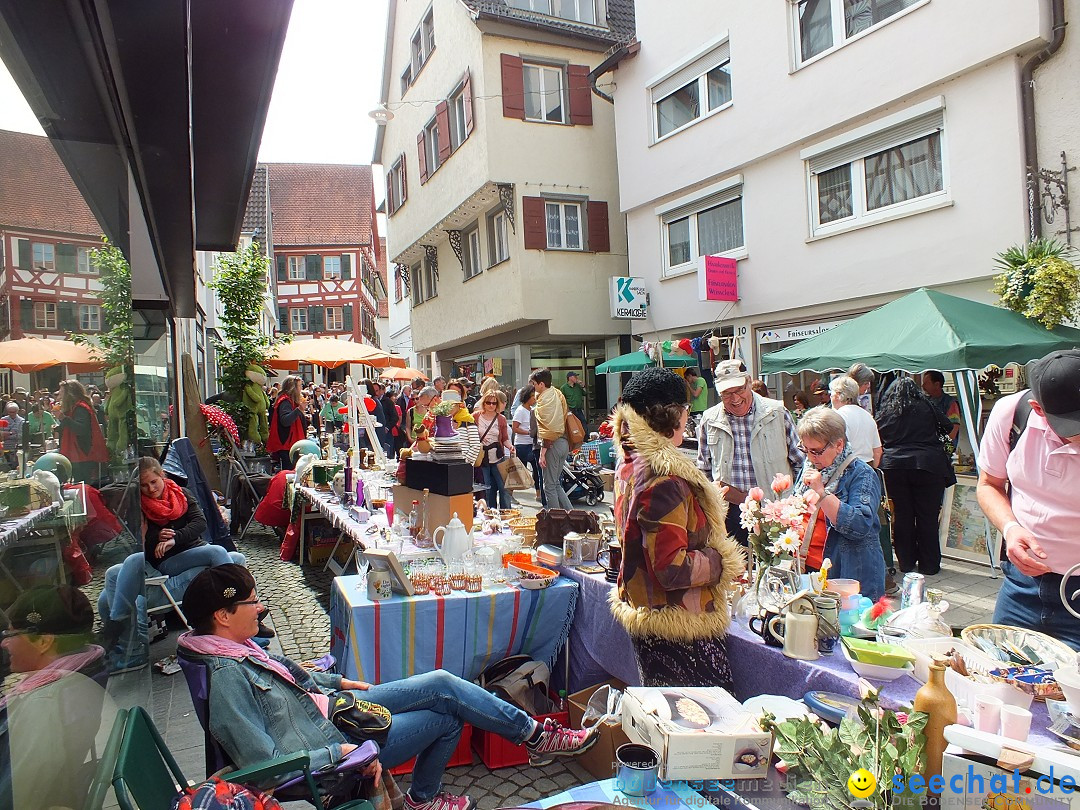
(440,507)
(498,752)
(608,477)
(700,733)
(442,478)
(600,759)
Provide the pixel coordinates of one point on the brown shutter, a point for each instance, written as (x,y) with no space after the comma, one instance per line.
(580,94)
(421,155)
(599,237)
(442,123)
(391,207)
(466,92)
(532,215)
(513,87)
(404,180)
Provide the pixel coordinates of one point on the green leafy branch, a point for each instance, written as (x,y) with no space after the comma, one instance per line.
(1039,281)
(115,345)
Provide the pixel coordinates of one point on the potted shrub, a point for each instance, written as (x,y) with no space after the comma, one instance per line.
(1039,280)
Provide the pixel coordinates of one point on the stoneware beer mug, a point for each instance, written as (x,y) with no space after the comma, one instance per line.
(799,631)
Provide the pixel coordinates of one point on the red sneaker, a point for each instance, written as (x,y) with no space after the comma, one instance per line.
(558,741)
(441,801)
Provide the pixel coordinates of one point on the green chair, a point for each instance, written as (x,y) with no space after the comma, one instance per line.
(99,787)
(146,776)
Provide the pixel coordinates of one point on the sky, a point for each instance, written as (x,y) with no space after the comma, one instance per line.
(327,83)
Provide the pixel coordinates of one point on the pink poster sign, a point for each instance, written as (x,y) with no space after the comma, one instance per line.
(718,280)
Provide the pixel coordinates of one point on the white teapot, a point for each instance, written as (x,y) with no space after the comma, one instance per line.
(455,540)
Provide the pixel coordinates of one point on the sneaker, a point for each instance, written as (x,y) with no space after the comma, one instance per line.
(441,801)
(559,741)
(891,588)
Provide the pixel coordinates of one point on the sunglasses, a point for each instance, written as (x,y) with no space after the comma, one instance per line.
(491,402)
(12,633)
(814,452)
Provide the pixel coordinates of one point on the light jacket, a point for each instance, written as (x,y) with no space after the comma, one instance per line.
(679,564)
(768,441)
(257,714)
(550,415)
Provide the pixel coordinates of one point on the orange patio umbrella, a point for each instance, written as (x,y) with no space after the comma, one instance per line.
(407,373)
(35,354)
(330,352)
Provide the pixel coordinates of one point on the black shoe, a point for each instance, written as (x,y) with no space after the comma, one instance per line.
(111,632)
(265,632)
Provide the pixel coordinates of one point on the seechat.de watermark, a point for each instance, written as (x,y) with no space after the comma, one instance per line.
(971,782)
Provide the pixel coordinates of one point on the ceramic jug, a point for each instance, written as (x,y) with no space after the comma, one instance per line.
(452,540)
(799,632)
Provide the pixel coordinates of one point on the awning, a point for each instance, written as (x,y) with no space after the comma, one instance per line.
(636,361)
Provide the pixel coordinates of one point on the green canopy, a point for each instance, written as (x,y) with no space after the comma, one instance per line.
(925,330)
(636,361)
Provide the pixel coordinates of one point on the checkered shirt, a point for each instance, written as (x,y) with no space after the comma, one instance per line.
(742,469)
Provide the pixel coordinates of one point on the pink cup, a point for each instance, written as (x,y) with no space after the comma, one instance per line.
(1015,722)
(988,713)
(389,512)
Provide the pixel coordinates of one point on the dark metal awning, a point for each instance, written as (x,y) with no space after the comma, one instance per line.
(157,110)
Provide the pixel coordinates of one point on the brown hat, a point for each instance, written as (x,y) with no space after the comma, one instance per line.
(215,588)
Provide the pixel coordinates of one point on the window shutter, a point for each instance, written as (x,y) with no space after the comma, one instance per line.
(26,257)
(466,94)
(599,235)
(699,67)
(421,156)
(534,225)
(282,268)
(313,267)
(404,179)
(26,311)
(346,317)
(315,319)
(513,87)
(918,127)
(391,204)
(580,95)
(346,266)
(66,258)
(65,317)
(442,121)
(283,319)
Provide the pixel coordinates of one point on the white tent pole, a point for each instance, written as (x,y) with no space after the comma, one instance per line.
(967,390)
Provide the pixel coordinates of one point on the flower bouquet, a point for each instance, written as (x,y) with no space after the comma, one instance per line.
(444,408)
(776,527)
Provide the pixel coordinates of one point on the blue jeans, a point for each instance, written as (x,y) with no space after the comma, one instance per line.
(497,495)
(429,711)
(1035,603)
(199,557)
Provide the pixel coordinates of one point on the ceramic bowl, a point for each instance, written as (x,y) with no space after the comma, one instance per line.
(884,655)
(1068,678)
(876,672)
(534,577)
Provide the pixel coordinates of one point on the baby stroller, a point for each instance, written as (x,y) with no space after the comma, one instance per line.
(581,480)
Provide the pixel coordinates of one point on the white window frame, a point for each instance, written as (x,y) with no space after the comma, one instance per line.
(541,68)
(472,262)
(335,319)
(329,273)
(688,207)
(297,268)
(416,283)
(406,79)
(694,68)
(397,187)
(431,280)
(431,146)
(82,261)
(421,44)
(89,318)
(854,147)
(499,242)
(47,253)
(839,32)
(552,8)
(563,205)
(45,315)
(298,319)
(459,132)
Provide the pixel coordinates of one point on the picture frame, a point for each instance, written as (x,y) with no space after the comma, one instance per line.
(963,530)
(381,559)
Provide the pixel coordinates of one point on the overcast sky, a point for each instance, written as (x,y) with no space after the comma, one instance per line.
(327,83)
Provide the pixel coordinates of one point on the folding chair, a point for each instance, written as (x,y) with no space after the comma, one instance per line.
(160,581)
(99,787)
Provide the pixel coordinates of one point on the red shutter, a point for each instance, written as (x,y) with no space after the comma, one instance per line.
(421,155)
(580,94)
(391,207)
(513,87)
(532,215)
(599,236)
(442,122)
(404,179)
(466,92)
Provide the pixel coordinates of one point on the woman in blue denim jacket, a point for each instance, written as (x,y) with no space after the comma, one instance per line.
(847,501)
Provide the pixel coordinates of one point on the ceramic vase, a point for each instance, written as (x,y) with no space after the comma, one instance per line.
(444,427)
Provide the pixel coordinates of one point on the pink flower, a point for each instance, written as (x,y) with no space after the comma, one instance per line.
(811,497)
(757,493)
(781,483)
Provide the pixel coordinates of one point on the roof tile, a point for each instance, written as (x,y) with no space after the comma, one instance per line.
(320,203)
(620,22)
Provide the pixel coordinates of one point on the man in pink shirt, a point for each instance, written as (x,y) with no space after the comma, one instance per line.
(1039,513)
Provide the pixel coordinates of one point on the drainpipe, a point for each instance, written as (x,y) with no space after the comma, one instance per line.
(1027,104)
(619,54)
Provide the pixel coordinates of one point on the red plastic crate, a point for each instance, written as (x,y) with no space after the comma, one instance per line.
(462,754)
(498,752)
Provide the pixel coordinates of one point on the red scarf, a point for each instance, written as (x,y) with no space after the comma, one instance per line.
(169,507)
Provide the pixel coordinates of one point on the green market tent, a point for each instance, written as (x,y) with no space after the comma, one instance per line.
(636,361)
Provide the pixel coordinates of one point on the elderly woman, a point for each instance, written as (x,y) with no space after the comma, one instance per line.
(678,563)
(862,432)
(848,496)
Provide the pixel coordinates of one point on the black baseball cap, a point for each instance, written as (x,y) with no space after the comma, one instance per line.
(1055,385)
(215,588)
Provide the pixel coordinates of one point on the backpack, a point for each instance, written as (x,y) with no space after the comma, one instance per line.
(217,794)
(521,681)
(575,432)
(1020,419)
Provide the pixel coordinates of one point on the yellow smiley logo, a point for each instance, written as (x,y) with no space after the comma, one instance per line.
(861,784)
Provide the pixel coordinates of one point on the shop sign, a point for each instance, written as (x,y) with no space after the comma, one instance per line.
(789,334)
(718,279)
(628,297)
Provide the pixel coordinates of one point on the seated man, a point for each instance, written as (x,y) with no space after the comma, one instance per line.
(264,706)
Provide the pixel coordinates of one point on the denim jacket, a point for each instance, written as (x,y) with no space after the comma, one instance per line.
(256,714)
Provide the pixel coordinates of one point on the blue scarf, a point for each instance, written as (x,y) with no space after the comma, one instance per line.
(826,473)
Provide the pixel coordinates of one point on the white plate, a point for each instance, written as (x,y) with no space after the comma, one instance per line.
(783,708)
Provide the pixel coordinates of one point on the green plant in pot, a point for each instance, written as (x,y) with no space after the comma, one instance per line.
(1040,281)
(822,759)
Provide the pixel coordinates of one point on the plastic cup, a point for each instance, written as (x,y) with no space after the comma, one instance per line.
(988,714)
(389,513)
(1015,722)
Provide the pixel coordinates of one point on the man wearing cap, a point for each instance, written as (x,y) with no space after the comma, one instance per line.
(574,394)
(748,440)
(1029,494)
(264,706)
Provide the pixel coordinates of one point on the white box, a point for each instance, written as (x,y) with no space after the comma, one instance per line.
(725,743)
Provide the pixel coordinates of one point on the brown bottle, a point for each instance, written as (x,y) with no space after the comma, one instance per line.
(937,701)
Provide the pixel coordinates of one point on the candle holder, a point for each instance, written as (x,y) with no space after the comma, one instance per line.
(421,584)
(474,583)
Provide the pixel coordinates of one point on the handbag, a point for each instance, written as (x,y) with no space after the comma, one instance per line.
(358,719)
(552,525)
(485,456)
(514,474)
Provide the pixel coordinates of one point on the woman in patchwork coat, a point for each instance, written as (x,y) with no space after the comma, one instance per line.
(679,566)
